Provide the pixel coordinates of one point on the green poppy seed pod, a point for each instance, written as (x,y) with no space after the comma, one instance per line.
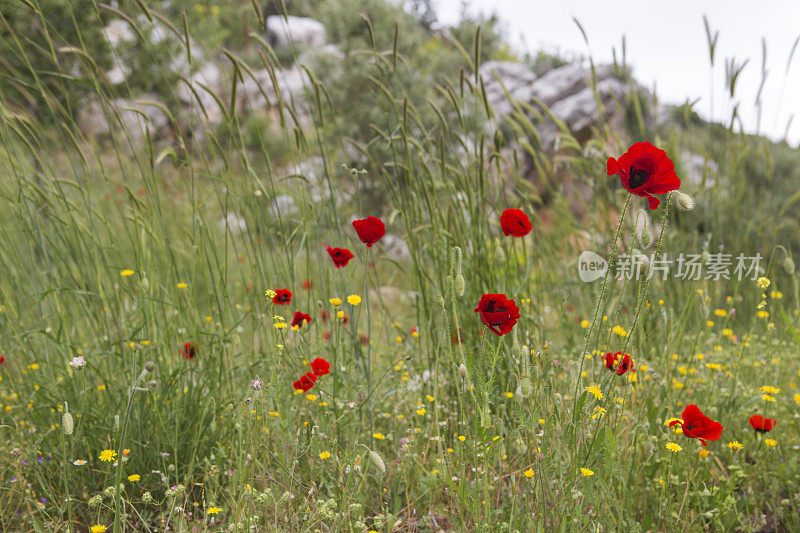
(462,371)
(684,201)
(460,284)
(67,424)
(377,461)
(788,266)
(526,387)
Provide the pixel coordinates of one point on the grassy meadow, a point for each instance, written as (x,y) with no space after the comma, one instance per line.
(147,374)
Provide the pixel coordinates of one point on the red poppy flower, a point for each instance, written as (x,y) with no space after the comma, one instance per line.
(188,351)
(326,335)
(696,425)
(305,382)
(515,222)
(300,319)
(619,362)
(498,313)
(645,170)
(282,297)
(762,424)
(324,315)
(370,230)
(340,256)
(363,339)
(320,366)
(307,284)
(2,359)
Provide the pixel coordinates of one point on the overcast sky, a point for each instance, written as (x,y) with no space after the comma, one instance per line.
(666,45)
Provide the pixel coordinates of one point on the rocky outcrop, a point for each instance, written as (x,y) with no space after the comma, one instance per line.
(136,118)
(293,31)
(567,92)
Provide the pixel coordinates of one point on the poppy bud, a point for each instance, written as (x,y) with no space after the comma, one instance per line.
(145,283)
(149,366)
(377,461)
(515,349)
(66,421)
(485,415)
(788,266)
(462,370)
(152,384)
(460,284)
(518,396)
(526,386)
(684,201)
(646,238)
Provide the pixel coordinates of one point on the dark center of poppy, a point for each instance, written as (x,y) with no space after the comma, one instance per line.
(690,427)
(637,178)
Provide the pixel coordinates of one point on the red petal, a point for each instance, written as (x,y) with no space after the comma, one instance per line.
(653,202)
(612,166)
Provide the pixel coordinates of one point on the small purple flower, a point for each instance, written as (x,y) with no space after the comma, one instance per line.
(256,384)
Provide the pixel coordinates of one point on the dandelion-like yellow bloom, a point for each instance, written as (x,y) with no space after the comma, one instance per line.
(770,442)
(462,438)
(324,455)
(763,283)
(270,294)
(585,324)
(720,312)
(797,398)
(735,445)
(619,330)
(767,389)
(280,325)
(214,510)
(587,472)
(108,455)
(125,273)
(311,397)
(134,477)
(703,453)
(354,299)
(340,315)
(595,391)
(182,285)
(528,473)
(378,436)
(421,411)
(767,398)
(100,528)
(673,447)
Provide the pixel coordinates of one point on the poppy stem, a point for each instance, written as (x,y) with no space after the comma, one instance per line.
(600,298)
(369,344)
(643,296)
